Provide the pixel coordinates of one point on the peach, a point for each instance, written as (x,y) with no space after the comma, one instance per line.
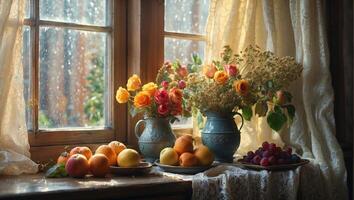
(99,165)
(109,153)
(117,146)
(82,150)
(188,160)
(204,155)
(77,166)
(128,158)
(168,156)
(63,158)
(184,144)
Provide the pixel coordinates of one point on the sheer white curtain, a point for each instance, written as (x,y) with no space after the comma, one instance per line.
(288,28)
(14,146)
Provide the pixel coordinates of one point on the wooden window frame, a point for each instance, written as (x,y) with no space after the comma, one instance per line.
(56,139)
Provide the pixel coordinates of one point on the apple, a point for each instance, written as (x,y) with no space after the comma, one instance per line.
(168,156)
(77,166)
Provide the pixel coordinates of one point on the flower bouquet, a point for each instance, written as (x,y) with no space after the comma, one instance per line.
(160,105)
(253,81)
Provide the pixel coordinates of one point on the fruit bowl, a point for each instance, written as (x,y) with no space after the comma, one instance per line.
(183,170)
(282,167)
(141,169)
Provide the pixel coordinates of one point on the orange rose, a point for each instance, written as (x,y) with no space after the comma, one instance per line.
(176,95)
(134,83)
(142,99)
(241,87)
(150,88)
(221,77)
(209,70)
(122,95)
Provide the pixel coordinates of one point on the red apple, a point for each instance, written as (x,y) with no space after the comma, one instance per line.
(77,166)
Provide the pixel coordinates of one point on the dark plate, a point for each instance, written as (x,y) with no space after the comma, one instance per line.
(143,168)
(182,170)
(273,167)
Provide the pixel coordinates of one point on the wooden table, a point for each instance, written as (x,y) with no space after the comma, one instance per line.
(139,187)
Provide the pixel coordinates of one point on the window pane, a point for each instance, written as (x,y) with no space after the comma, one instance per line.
(72,78)
(27,63)
(27,9)
(183,49)
(186,16)
(91,12)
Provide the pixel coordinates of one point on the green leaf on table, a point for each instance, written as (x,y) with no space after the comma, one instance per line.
(56,171)
(247,113)
(291,111)
(276,120)
(261,108)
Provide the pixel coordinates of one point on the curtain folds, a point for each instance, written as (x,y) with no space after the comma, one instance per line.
(288,28)
(14,146)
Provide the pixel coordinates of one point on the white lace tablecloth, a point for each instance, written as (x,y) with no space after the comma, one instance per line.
(230,182)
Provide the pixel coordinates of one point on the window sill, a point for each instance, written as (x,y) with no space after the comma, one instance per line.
(143,187)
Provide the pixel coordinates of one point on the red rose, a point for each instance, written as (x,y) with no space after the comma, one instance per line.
(164,84)
(231,69)
(161,97)
(163,110)
(182,84)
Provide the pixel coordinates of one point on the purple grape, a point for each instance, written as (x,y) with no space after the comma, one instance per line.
(289,150)
(272,160)
(264,162)
(250,154)
(256,160)
(272,146)
(265,145)
(267,154)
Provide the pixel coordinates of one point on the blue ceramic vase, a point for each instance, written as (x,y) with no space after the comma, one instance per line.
(221,135)
(156,135)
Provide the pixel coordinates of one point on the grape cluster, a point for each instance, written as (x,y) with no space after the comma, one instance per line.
(271,154)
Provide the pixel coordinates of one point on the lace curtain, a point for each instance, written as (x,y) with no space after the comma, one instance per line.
(14,146)
(288,28)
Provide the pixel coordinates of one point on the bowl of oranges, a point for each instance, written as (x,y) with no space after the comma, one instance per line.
(185,158)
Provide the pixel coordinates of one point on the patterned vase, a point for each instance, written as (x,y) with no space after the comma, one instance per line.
(221,135)
(156,135)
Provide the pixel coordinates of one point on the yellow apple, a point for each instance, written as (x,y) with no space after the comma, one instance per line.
(204,155)
(168,156)
(128,158)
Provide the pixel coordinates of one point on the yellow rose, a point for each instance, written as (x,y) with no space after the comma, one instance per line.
(241,87)
(122,95)
(150,88)
(221,77)
(142,99)
(134,83)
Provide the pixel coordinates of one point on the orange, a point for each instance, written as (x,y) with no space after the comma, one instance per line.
(117,146)
(188,160)
(99,165)
(204,155)
(109,153)
(184,144)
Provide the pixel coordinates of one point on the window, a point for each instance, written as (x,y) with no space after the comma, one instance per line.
(184,33)
(69,71)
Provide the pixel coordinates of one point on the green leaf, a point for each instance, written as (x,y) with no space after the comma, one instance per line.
(247,113)
(278,109)
(288,96)
(200,120)
(261,108)
(57,171)
(276,120)
(291,111)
